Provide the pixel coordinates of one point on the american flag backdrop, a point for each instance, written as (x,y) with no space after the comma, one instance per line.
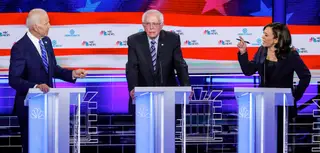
(92,34)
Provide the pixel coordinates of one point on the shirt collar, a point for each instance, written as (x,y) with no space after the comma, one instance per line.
(33,38)
(155,39)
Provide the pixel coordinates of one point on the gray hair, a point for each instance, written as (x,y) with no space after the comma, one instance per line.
(160,15)
(34,17)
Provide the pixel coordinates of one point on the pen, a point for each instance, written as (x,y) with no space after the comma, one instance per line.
(244,41)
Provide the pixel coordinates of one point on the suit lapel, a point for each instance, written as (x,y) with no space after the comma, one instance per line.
(263,55)
(34,51)
(279,66)
(146,51)
(160,49)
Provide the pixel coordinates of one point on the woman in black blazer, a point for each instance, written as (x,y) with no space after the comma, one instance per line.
(276,61)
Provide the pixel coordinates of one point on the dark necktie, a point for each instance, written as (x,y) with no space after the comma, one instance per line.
(153,54)
(44,55)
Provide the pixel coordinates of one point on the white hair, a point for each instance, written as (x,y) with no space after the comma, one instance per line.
(160,15)
(34,17)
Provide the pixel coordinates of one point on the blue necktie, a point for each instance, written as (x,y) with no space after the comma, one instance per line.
(44,55)
(153,54)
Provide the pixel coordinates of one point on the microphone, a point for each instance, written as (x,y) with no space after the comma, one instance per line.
(54,83)
(161,77)
(264,73)
(264,68)
(160,63)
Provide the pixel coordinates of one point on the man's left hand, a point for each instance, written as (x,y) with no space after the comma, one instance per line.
(79,73)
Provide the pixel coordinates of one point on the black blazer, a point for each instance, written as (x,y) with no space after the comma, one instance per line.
(139,69)
(26,69)
(283,74)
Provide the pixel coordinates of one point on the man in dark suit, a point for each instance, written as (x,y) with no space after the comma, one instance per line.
(33,65)
(153,55)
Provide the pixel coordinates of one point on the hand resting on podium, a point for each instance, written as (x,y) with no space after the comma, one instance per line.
(79,73)
(43,87)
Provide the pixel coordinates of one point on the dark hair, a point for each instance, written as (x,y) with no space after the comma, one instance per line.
(281,31)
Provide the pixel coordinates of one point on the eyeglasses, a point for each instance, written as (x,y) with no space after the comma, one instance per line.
(150,24)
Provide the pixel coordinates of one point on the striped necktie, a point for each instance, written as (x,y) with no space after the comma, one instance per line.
(153,54)
(44,55)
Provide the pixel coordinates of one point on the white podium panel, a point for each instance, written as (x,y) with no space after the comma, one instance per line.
(258,118)
(49,119)
(155,118)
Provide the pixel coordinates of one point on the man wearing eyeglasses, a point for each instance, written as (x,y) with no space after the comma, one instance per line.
(153,55)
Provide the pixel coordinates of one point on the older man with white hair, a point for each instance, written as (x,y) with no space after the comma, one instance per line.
(153,55)
(33,65)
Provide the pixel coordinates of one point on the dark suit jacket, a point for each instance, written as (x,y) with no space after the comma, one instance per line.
(139,69)
(26,69)
(282,76)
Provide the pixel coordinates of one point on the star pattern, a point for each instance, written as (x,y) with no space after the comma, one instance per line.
(264,10)
(89,7)
(215,4)
(289,15)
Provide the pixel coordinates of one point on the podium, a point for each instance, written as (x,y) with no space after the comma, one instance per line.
(49,119)
(155,118)
(258,118)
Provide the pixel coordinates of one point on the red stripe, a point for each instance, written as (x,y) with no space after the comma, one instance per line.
(218,53)
(304,29)
(136,17)
(94,68)
(80,51)
(5,52)
(91,51)
(86,68)
(312,62)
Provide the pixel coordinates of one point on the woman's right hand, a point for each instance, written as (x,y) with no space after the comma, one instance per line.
(242,46)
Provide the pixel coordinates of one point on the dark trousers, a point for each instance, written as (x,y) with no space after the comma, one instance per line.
(23,122)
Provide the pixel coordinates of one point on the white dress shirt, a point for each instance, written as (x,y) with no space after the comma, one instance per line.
(36,44)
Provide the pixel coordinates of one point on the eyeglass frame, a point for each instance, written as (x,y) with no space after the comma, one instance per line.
(152,23)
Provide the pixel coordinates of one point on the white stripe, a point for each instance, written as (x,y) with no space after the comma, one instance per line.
(153,53)
(153,58)
(195,35)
